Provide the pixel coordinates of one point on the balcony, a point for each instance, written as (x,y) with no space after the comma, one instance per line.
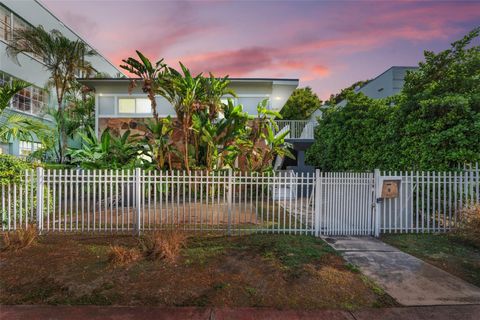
(299,129)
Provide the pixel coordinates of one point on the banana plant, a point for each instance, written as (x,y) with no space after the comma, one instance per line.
(149,73)
(187,95)
(157,142)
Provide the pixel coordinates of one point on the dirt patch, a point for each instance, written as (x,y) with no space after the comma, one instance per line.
(280,271)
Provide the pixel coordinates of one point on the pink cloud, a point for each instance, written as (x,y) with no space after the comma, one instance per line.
(328,45)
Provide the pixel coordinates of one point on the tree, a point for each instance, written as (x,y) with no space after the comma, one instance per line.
(186,94)
(14,125)
(337,98)
(301,104)
(150,75)
(439,108)
(63,59)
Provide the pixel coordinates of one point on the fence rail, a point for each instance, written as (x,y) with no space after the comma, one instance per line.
(322,203)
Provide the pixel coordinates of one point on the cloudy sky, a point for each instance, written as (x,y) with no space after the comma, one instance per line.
(328,45)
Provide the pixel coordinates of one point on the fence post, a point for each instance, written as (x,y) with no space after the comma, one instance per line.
(138,198)
(378,201)
(318,196)
(39,199)
(229,202)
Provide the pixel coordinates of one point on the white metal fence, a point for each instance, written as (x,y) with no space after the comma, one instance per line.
(125,200)
(335,203)
(429,201)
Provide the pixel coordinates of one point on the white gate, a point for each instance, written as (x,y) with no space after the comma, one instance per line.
(346,205)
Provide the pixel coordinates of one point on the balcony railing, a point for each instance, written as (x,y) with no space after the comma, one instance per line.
(299,129)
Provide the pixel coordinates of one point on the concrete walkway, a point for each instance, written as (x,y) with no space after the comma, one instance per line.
(465,312)
(411,281)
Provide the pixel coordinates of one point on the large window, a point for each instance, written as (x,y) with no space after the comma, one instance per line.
(5,23)
(134,106)
(10,22)
(30,100)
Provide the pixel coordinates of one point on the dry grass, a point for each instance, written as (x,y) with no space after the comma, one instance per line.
(469,228)
(119,255)
(162,245)
(19,239)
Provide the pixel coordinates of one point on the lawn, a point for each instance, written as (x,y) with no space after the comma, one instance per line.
(445,251)
(280,271)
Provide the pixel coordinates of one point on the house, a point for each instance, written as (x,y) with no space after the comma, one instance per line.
(32,101)
(118,110)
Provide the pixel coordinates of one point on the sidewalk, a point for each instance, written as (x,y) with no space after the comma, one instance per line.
(409,280)
(465,312)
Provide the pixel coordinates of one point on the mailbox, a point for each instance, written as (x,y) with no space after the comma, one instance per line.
(390,189)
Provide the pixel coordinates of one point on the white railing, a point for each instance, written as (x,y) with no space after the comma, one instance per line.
(299,129)
(322,203)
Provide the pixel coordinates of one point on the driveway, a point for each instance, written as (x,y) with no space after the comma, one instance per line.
(409,280)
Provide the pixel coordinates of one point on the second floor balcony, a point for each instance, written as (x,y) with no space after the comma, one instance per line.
(298,129)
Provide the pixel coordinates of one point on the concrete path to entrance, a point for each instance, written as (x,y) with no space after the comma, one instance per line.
(409,280)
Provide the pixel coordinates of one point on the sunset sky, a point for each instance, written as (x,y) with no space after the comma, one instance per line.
(328,45)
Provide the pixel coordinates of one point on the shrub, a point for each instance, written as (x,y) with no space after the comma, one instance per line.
(469,227)
(12,169)
(20,239)
(119,255)
(162,245)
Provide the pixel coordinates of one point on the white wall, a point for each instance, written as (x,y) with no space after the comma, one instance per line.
(35,14)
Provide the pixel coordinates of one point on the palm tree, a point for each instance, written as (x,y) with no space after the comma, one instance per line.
(63,58)
(14,125)
(149,74)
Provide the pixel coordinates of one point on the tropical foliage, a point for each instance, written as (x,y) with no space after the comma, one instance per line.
(108,152)
(15,125)
(433,124)
(63,59)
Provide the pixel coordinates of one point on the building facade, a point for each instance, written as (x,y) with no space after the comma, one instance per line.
(118,110)
(33,100)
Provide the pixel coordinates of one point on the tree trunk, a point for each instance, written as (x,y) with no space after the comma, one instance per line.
(185,142)
(62,140)
(153,103)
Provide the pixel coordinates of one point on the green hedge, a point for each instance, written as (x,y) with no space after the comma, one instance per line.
(433,124)
(12,169)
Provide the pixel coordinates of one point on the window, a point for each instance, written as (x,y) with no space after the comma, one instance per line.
(4,148)
(9,22)
(5,23)
(250,104)
(143,106)
(106,105)
(27,147)
(22,100)
(134,105)
(126,105)
(31,100)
